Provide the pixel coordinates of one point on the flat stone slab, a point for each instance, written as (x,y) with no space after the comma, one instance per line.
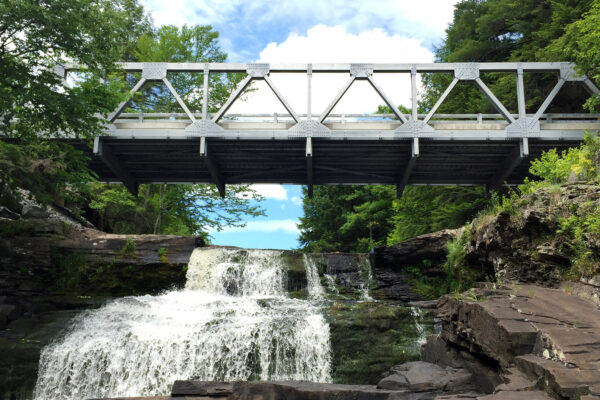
(201,388)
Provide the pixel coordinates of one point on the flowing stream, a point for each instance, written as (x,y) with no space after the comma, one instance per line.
(233,321)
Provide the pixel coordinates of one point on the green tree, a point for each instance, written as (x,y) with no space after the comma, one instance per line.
(172,209)
(424,209)
(506,30)
(36,37)
(581,44)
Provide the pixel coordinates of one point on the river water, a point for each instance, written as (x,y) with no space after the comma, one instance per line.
(233,321)
(243,315)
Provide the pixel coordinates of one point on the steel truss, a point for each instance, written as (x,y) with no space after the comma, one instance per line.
(327,148)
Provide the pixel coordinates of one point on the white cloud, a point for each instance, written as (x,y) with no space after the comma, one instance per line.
(323,44)
(270,191)
(297,200)
(287,226)
(423,18)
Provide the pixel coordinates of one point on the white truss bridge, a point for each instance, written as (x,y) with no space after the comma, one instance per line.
(327,148)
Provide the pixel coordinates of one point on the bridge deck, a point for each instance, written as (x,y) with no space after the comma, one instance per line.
(458,152)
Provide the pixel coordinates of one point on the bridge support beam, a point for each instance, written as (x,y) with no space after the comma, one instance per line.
(516,156)
(309,167)
(409,167)
(212,167)
(107,156)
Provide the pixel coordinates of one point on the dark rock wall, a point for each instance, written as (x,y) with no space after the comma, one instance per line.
(390,263)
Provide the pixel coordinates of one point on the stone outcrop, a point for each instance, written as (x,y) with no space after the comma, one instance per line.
(520,338)
(389,264)
(47,263)
(524,245)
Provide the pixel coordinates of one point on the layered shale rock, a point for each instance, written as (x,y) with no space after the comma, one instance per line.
(521,337)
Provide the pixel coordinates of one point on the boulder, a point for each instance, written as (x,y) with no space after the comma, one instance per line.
(431,246)
(523,245)
(420,376)
(34,212)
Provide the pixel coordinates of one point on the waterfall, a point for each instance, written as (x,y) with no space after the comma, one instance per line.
(233,321)
(366,274)
(315,289)
(418,316)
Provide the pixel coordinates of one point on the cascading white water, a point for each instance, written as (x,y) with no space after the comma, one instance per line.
(315,289)
(418,316)
(233,321)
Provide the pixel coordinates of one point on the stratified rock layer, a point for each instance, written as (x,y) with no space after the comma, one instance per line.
(551,337)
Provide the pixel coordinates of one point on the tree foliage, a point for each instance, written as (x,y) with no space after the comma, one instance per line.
(36,37)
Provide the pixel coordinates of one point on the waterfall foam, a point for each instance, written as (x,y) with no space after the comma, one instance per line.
(233,321)
(315,289)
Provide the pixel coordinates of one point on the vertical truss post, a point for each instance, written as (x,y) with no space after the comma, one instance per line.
(212,167)
(521,92)
(413,90)
(409,167)
(205,93)
(309,166)
(309,92)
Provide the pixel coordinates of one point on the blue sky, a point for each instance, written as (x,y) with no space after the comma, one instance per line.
(377,31)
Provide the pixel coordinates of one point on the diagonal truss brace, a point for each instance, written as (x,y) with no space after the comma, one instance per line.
(409,168)
(494,100)
(112,117)
(105,153)
(441,100)
(256,71)
(516,156)
(212,167)
(386,99)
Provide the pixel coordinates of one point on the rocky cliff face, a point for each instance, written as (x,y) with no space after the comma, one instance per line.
(48,263)
(391,264)
(532,242)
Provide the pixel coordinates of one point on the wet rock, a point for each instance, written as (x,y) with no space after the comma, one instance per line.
(10,311)
(345,268)
(431,246)
(317,391)
(34,212)
(201,388)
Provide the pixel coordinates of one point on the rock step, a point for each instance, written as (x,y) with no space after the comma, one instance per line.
(571,383)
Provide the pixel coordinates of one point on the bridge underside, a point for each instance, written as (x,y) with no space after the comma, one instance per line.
(450,161)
